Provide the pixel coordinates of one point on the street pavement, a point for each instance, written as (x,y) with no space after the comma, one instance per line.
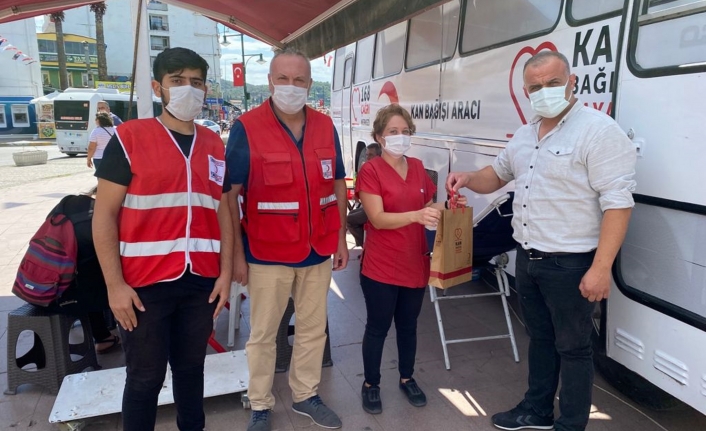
(484,379)
(58,165)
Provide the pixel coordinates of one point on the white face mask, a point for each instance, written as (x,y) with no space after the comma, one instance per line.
(397,145)
(290,99)
(549,101)
(185,102)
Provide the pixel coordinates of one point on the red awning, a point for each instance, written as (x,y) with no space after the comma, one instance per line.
(314,26)
(273,21)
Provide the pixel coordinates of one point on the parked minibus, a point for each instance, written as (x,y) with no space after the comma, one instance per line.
(75,109)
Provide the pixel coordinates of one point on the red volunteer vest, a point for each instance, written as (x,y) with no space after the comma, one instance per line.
(290,204)
(169,217)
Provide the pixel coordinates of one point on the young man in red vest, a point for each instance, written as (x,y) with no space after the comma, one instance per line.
(164,238)
(286,159)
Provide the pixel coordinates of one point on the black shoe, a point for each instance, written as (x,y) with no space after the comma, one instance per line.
(371,399)
(522,417)
(415,396)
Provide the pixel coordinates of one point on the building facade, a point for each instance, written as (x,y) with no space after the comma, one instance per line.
(81,60)
(20,78)
(169,26)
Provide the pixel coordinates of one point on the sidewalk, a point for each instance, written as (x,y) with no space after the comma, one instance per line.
(24,140)
(483,380)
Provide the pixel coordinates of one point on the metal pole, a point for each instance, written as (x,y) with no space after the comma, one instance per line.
(88,65)
(245,85)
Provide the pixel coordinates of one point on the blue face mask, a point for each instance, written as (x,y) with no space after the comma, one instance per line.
(549,101)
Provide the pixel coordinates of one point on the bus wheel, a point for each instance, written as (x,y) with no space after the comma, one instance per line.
(626,381)
(72,154)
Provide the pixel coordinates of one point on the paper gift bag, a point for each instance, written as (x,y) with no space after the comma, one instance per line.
(452,256)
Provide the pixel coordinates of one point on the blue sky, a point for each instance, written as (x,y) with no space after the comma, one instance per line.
(256,73)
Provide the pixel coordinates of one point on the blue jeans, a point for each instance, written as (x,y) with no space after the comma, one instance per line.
(384,302)
(175,328)
(559,324)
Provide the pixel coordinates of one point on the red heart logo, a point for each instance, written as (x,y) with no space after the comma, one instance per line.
(531,51)
(458,232)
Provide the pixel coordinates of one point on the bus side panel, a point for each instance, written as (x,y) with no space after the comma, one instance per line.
(658,347)
(664,253)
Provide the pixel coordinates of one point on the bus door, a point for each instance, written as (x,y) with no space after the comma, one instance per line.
(341,100)
(656,322)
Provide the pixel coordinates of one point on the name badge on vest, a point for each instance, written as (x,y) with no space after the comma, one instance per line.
(216,170)
(327,168)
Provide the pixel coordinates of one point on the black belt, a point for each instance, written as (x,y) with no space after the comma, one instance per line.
(537,255)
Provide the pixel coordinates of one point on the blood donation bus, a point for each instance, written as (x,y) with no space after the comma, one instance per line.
(458,69)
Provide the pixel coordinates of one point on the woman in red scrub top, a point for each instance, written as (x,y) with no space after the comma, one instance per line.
(397,194)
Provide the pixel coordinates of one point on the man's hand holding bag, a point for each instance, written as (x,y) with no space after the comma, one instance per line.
(452,257)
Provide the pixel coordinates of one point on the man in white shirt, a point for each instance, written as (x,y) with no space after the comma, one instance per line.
(573,169)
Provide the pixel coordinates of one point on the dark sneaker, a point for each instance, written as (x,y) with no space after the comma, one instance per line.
(260,420)
(522,417)
(371,399)
(415,396)
(318,412)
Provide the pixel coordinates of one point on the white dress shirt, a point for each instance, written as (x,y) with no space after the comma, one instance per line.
(564,182)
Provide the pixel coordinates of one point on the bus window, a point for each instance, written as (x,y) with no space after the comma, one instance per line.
(347,72)
(490,23)
(582,11)
(425,35)
(389,47)
(671,35)
(364,59)
(338,68)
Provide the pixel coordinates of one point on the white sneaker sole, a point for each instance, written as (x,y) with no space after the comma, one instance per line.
(526,427)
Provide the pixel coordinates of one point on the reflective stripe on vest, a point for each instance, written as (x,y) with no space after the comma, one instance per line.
(169,200)
(327,199)
(161,248)
(278,205)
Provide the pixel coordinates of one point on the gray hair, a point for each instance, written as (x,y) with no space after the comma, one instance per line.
(545,55)
(291,51)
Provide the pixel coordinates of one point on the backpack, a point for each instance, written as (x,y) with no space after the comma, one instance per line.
(48,267)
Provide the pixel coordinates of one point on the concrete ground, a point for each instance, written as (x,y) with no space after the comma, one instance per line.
(483,379)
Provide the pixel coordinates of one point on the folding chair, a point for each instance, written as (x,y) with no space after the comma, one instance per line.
(492,239)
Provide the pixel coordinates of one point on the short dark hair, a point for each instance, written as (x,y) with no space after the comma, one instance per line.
(543,56)
(376,148)
(177,59)
(104,119)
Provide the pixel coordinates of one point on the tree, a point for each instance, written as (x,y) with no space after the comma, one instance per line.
(99,10)
(58,18)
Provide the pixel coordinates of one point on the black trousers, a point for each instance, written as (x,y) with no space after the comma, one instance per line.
(175,328)
(385,302)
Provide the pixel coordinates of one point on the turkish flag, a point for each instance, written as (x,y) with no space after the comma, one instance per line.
(238,75)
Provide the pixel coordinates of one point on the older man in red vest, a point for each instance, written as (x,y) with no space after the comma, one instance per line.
(286,159)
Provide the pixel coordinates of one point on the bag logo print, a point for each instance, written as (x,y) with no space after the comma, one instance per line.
(458,232)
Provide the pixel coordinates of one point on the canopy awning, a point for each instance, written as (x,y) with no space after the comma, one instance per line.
(312,26)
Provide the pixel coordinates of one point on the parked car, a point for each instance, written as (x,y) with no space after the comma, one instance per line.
(210,125)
